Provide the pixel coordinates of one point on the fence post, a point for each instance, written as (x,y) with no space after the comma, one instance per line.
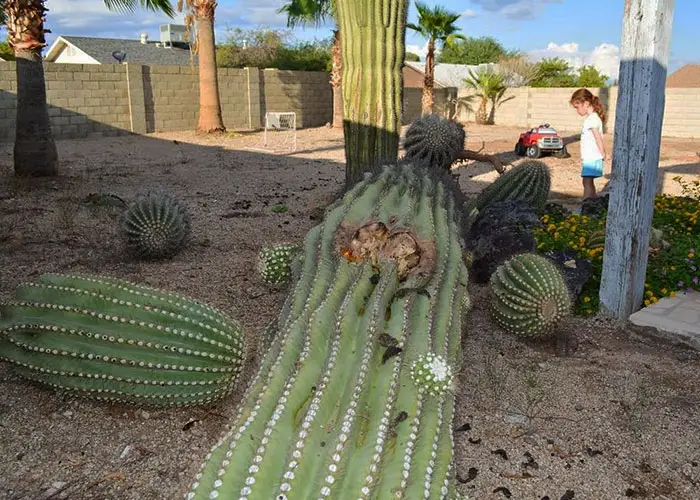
(639,115)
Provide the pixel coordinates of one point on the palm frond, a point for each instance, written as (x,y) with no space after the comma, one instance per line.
(307,12)
(129,6)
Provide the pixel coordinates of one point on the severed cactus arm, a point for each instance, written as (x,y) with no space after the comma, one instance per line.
(354,398)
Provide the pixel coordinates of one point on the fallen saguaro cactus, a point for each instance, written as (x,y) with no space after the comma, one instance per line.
(113,340)
(355,396)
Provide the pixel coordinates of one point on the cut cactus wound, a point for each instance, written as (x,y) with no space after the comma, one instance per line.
(112,340)
(354,398)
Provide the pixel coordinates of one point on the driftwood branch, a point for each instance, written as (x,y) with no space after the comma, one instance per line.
(476,156)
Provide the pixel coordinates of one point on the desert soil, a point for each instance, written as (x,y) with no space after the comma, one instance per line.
(618,418)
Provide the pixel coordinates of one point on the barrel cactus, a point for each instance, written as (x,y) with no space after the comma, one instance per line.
(155,226)
(530,296)
(529,181)
(274,262)
(113,340)
(355,395)
(434,141)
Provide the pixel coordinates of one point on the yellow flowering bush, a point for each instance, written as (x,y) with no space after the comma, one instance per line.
(670,270)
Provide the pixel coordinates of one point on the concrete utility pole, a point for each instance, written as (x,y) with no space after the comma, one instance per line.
(646,36)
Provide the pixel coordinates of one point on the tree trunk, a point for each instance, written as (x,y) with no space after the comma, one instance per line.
(373,47)
(337,80)
(35,151)
(428,97)
(482,114)
(210,119)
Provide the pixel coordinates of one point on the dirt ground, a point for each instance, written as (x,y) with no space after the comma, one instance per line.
(617,419)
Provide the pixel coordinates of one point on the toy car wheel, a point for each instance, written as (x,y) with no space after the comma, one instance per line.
(519,149)
(562,153)
(533,151)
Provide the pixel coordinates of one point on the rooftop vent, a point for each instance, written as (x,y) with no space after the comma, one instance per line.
(144,38)
(173,33)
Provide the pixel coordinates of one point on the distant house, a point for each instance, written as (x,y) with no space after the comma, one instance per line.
(687,76)
(413,77)
(170,50)
(446,75)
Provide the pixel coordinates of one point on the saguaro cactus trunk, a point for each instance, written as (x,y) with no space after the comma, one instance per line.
(372,39)
(354,398)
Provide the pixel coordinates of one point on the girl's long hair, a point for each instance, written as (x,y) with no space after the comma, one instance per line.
(585,95)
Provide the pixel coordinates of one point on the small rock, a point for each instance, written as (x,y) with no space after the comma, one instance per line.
(145,415)
(127,449)
(516,419)
(578,407)
(67,413)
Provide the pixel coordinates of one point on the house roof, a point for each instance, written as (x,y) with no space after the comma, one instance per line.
(687,76)
(101,50)
(451,75)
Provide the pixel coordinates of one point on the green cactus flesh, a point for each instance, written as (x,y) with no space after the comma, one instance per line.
(530,296)
(434,141)
(155,226)
(113,340)
(274,263)
(354,397)
(530,181)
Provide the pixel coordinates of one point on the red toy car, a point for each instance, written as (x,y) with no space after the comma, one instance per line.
(543,139)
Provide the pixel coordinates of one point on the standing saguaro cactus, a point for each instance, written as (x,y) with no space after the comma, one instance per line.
(355,397)
(372,40)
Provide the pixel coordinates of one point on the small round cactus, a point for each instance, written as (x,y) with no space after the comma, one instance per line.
(275,262)
(434,141)
(529,180)
(531,296)
(155,226)
(432,373)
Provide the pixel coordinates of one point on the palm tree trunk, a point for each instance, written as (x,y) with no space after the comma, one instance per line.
(373,47)
(210,119)
(428,97)
(482,113)
(336,80)
(35,151)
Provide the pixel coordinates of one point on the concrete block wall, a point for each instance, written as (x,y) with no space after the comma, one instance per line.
(82,102)
(307,93)
(87,100)
(532,106)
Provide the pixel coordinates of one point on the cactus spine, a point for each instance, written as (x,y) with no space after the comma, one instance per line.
(434,141)
(112,340)
(155,226)
(372,40)
(531,296)
(354,397)
(530,181)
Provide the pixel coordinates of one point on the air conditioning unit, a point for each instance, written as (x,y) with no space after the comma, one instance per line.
(173,33)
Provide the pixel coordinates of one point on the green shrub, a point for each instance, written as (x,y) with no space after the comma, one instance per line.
(670,269)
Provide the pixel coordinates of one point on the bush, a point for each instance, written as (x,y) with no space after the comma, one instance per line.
(670,269)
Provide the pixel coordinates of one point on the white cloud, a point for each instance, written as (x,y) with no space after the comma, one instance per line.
(91,18)
(422,51)
(514,9)
(605,57)
(468,14)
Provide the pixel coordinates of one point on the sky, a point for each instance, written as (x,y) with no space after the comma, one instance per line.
(583,32)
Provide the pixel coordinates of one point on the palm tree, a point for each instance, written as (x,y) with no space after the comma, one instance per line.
(303,12)
(201,15)
(437,26)
(35,151)
(490,86)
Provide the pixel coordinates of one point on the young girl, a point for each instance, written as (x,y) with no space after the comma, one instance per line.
(592,148)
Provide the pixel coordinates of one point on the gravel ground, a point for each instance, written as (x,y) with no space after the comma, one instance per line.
(616,419)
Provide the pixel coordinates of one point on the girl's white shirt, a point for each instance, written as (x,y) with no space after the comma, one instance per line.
(589,148)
